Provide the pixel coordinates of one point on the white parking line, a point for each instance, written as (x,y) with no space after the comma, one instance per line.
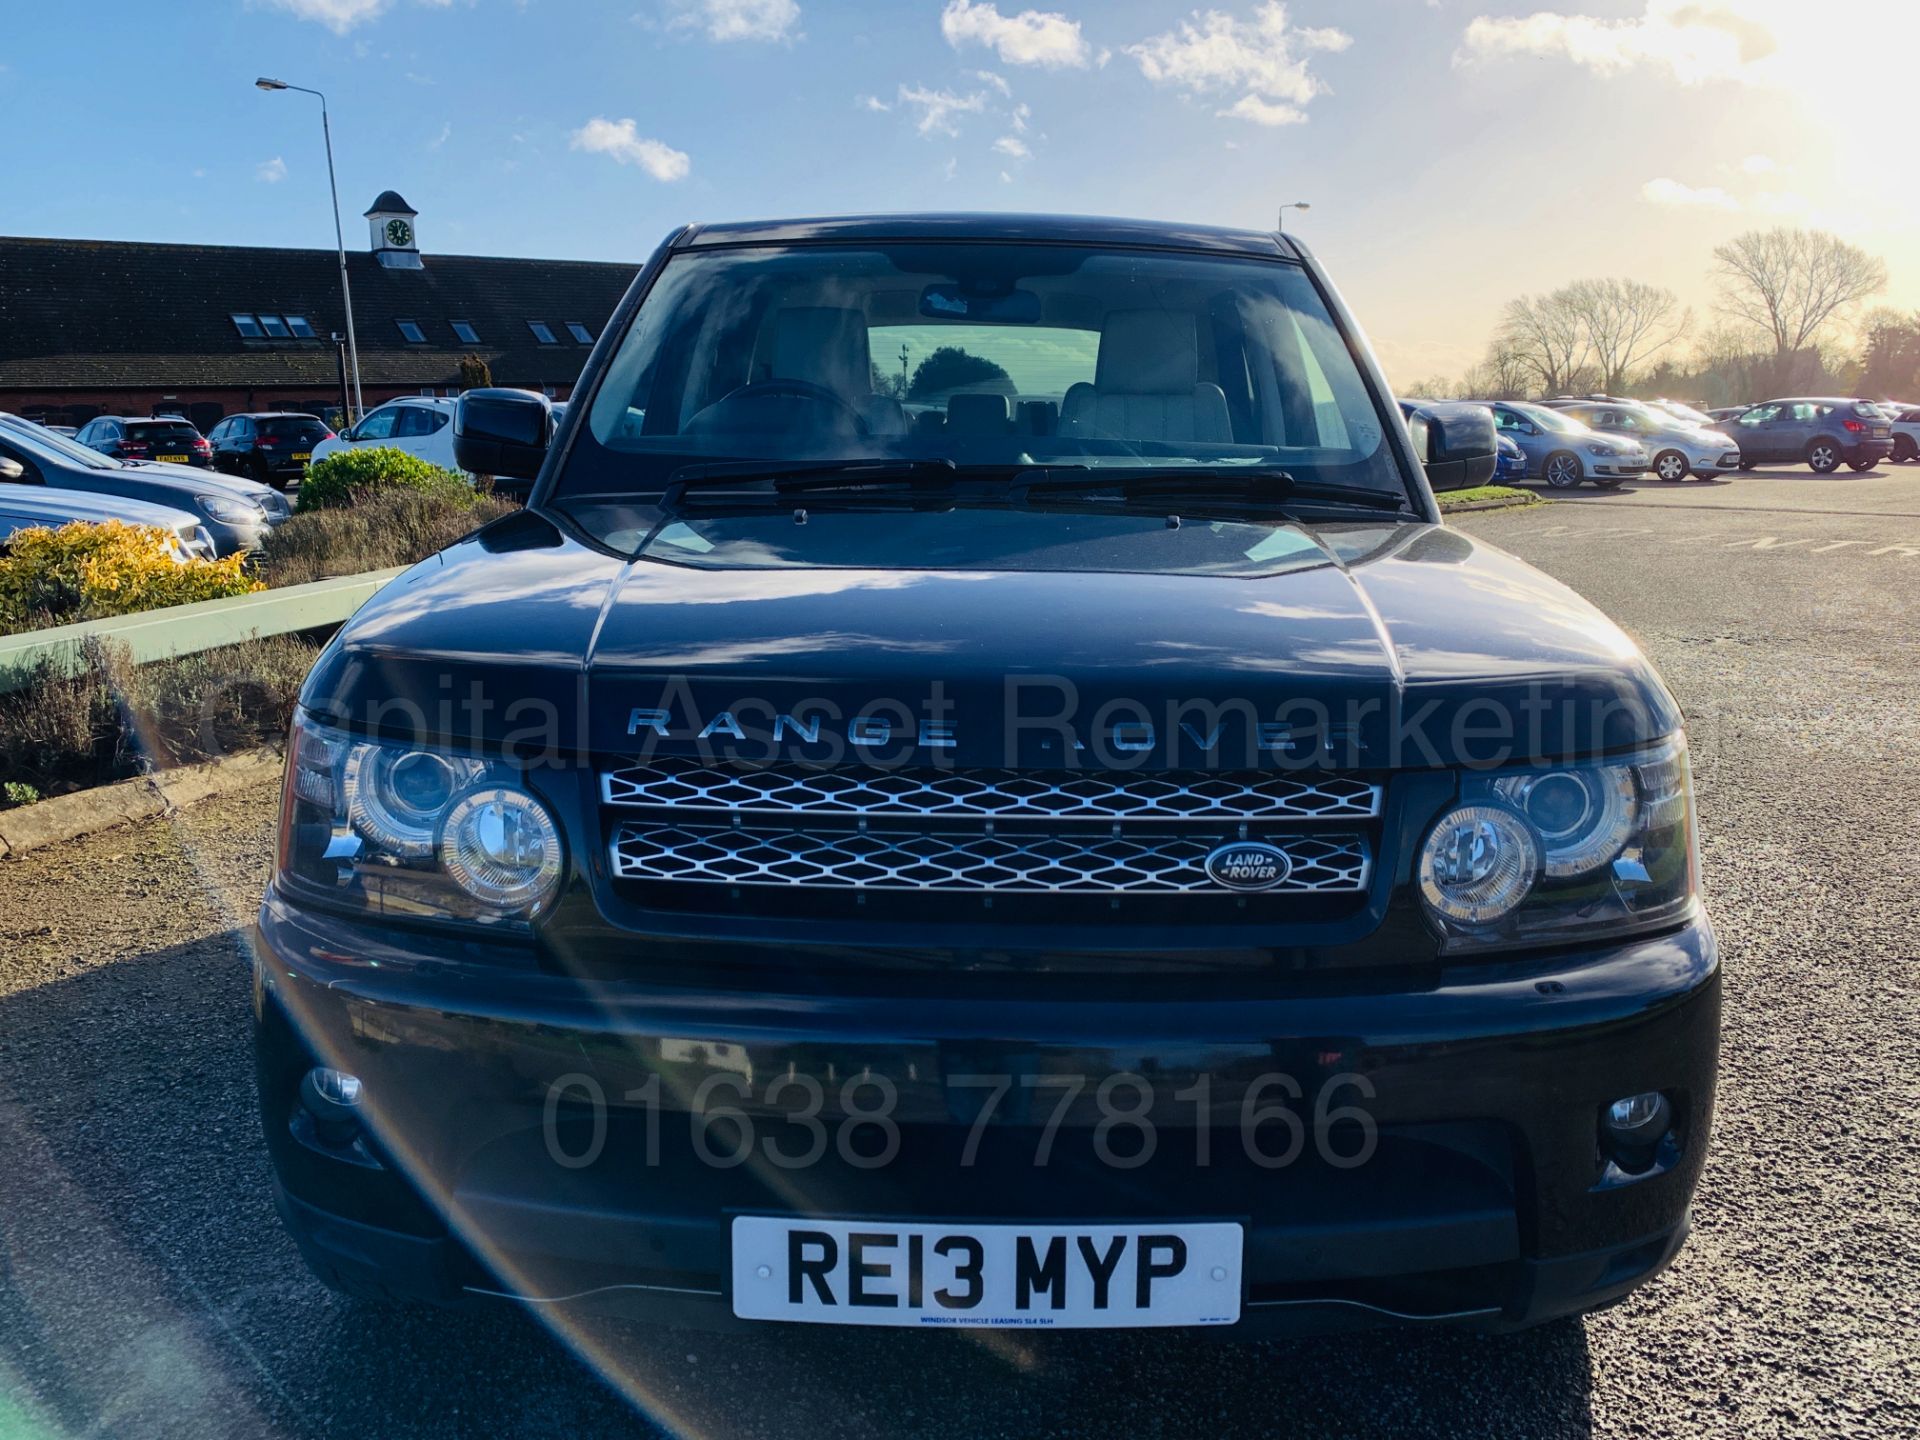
(1819,545)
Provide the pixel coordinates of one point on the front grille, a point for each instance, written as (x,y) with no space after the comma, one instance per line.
(969,861)
(684,784)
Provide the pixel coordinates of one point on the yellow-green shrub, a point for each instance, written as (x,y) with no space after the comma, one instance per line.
(82,572)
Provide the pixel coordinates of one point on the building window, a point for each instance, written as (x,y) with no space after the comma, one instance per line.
(465,333)
(248,327)
(275,327)
(411,332)
(542,332)
(579,332)
(300,328)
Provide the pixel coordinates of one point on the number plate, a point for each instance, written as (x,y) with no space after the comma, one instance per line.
(1064,1277)
(303,455)
(176,459)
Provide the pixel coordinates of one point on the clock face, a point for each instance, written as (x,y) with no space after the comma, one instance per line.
(399,232)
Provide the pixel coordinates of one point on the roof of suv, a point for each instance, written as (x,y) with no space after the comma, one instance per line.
(1057,229)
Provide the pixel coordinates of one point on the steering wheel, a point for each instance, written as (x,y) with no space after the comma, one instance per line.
(803,390)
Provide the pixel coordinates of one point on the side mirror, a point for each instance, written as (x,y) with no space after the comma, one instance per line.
(1456,444)
(501,432)
(11,469)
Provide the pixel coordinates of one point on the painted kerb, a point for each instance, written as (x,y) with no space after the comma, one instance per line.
(187,629)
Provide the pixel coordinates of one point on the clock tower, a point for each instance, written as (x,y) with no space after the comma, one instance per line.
(396,245)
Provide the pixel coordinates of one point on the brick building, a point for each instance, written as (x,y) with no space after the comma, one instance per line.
(90,327)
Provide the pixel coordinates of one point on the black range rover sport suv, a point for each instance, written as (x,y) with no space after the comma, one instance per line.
(979,792)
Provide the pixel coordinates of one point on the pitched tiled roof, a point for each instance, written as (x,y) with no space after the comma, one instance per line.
(88,313)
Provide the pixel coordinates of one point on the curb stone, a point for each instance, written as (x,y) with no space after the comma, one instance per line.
(86,812)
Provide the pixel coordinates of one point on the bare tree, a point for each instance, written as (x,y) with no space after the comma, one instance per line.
(1627,322)
(1792,284)
(1546,336)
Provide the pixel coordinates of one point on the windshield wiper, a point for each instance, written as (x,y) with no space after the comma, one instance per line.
(1260,484)
(791,477)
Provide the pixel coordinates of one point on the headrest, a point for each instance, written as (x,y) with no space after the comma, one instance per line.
(1148,352)
(978,413)
(823,344)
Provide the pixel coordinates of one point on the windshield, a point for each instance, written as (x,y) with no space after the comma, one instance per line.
(987,357)
(1685,412)
(58,448)
(1556,421)
(292,427)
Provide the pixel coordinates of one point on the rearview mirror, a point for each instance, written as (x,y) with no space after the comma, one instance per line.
(1456,444)
(11,469)
(503,433)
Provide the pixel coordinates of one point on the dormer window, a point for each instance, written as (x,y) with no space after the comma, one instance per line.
(543,332)
(411,332)
(579,332)
(300,328)
(275,327)
(464,332)
(248,327)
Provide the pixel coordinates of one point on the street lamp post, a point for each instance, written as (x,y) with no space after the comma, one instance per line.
(1300,205)
(339,238)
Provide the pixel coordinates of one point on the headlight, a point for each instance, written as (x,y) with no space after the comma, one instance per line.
(1605,450)
(1552,853)
(415,830)
(229,511)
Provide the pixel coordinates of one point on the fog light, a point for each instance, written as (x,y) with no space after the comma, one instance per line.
(332,1098)
(1633,1128)
(1637,1113)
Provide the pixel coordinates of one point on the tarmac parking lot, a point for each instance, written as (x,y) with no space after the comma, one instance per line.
(147,1290)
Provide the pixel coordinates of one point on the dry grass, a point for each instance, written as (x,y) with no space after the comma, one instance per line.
(117,719)
(381,529)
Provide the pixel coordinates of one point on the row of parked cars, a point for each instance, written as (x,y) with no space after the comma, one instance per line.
(50,479)
(1604,439)
(213,495)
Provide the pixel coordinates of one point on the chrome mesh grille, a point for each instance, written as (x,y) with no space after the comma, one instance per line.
(1001,863)
(688,784)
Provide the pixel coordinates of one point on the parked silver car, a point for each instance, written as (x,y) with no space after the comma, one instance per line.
(26,507)
(1679,447)
(1563,451)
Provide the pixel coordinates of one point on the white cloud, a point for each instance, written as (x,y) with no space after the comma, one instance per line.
(873,103)
(725,20)
(1693,40)
(1013,145)
(272,171)
(998,82)
(1033,37)
(1005,178)
(1021,114)
(952,167)
(1265,56)
(620,140)
(339,16)
(446,134)
(1667,191)
(938,107)
(1758,165)
(1264,112)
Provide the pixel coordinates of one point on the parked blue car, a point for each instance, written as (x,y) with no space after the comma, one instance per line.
(1511,464)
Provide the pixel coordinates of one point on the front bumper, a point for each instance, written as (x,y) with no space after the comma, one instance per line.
(1486,1198)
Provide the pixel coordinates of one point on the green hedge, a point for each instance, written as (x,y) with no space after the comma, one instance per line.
(344,477)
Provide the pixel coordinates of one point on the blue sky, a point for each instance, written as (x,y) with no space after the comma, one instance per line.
(1456,152)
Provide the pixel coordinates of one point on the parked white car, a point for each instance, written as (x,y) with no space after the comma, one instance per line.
(1906,431)
(420,425)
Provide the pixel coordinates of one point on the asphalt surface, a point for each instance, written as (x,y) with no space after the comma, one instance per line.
(147,1290)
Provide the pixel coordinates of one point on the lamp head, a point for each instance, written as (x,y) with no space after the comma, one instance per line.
(263,83)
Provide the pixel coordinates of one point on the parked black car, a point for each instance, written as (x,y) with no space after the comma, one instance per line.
(237,513)
(1823,433)
(1102,853)
(161,438)
(272,447)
